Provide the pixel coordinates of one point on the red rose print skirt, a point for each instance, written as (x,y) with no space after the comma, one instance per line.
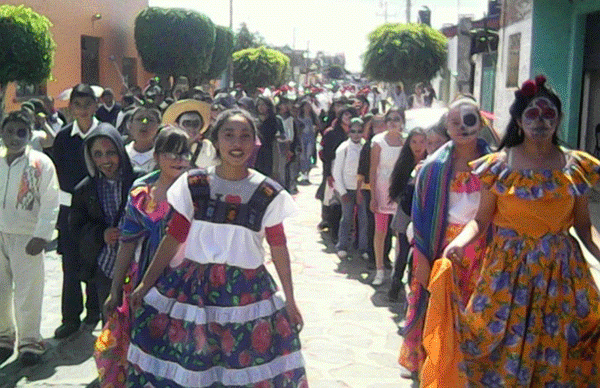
(214,325)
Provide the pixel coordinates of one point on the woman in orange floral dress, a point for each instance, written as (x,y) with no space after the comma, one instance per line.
(534,317)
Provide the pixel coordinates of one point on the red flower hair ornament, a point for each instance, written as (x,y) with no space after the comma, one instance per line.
(531,87)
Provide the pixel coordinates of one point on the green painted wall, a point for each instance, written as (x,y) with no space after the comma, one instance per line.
(558,38)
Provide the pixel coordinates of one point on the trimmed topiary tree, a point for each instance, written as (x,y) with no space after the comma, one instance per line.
(221,54)
(175,42)
(404,52)
(259,67)
(26,48)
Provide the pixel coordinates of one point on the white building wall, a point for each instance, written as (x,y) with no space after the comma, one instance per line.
(478,61)
(504,96)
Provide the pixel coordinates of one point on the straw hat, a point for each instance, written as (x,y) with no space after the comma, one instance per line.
(180,107)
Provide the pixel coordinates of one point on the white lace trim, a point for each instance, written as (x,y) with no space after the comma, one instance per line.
(220,315)
(199,379)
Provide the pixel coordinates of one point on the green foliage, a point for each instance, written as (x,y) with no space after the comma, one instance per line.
(260,67)
(26,45)
(245,39)
(404,52)
(222,52)
(175,42)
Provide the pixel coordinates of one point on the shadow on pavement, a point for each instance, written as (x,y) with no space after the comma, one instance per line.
(355,268)
(70,351)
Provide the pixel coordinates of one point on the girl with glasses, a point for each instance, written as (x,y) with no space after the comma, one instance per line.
(144,224)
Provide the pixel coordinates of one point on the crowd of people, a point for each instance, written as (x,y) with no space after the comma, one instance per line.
(162,203)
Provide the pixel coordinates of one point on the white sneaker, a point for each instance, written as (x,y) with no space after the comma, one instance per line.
(365,256)
(379,277)
(342,254)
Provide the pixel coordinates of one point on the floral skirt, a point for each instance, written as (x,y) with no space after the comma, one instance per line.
(214,325)
(412,354)
(534,317)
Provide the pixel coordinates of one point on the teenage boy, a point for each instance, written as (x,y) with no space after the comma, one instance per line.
(71,169)
(29,187)
(345,169)
(109,109)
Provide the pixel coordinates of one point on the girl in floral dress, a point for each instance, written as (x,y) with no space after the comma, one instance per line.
(144,225)
(534,317)
(217,319)
(446,198)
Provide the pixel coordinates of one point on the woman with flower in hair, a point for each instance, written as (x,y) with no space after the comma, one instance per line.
(534,317)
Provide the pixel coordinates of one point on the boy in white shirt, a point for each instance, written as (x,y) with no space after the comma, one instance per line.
(143,125)
(344,173)
(27,220)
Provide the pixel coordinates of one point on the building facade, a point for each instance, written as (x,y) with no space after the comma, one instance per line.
(94,44)
(560,39)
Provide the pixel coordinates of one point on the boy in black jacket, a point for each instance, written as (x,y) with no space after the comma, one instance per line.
(98,204)
(71,169)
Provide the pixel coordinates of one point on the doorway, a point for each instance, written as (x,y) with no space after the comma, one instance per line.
(90,60)
(589,132)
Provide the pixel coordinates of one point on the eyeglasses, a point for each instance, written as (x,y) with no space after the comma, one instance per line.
(543,109)
(191,123)
(186,156)
(396,119)
(354,131)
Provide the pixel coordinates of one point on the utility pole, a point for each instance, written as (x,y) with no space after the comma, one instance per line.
(385,5)
(408,6)
(229,73)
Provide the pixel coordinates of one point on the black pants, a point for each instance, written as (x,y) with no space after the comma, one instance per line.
(72,296)
(401,260)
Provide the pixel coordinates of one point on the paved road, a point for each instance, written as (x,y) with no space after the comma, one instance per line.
(350,338)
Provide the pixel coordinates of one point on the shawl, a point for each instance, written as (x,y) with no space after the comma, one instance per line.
(430,199)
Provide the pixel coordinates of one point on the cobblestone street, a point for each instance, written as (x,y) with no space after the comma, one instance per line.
(350,337)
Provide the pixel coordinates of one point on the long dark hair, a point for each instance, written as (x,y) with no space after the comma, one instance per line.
(404,165)
(313,115)
(347,108)
(270,105)
(224,117)
(530,90)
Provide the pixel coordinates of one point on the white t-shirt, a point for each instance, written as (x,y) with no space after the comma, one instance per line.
(225,243)
(142,160)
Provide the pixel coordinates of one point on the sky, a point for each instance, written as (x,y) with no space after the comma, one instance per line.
(331,26)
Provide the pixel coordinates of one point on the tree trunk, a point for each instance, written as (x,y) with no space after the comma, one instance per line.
(3,88)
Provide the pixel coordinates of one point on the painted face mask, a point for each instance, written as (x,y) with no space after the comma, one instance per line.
(541,108)
(540,117)
(470,120)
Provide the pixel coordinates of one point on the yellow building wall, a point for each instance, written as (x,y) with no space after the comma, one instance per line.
(73,18)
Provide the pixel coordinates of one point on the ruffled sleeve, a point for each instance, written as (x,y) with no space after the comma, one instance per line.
(489,168)
(279,209)
(180,198)
(582,171)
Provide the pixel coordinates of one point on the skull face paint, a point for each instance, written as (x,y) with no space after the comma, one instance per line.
(463,123)
(470,120)
(540,119)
